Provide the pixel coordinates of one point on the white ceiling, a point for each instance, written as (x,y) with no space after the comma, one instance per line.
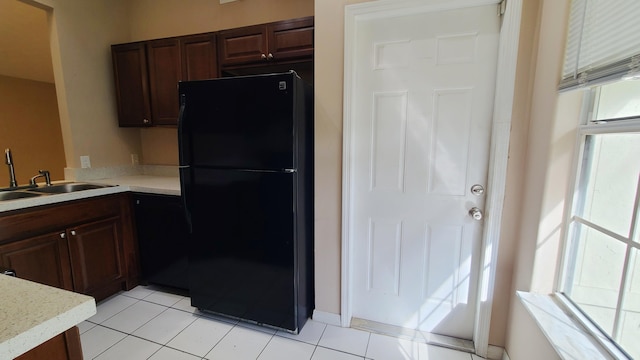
(24,42)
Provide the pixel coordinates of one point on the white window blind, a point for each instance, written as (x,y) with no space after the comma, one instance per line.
(603,42)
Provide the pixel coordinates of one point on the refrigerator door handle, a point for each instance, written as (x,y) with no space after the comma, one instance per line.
(184,179)
(183,145)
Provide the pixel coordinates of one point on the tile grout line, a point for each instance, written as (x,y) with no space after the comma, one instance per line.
(317,344)
(219,341)
(221,320)
(366,349)
(137,300)
(265,346)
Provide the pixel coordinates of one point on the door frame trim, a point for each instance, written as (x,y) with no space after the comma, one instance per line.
(499,147)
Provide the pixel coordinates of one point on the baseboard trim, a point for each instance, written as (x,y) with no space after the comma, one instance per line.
(496,353)
(326,317)
(505,356)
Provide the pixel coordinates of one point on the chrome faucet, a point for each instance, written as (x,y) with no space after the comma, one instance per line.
(43,173)
(8,159)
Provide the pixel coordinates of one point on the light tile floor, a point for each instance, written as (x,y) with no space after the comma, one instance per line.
(148,323)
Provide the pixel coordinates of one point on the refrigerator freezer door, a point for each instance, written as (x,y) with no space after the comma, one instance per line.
(243,122)
(243,245)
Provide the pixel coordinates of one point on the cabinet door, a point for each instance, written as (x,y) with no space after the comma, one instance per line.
(131,82)
(165,70)
(163,236)
(290,39)
(199,60)
(65,346)
(242,45)
(43,259)
(96,257)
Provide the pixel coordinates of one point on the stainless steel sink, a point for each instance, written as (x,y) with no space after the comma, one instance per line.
(67,188)
(14,195)
(24,192)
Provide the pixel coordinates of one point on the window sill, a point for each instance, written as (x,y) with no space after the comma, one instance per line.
(564,332)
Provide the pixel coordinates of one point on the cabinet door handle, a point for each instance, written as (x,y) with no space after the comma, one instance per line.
(263,56)
(73,232)
(63,235)
(145,121)
(270,56)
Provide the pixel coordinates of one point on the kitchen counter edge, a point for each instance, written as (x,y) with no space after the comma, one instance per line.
(33,313)
(164,185)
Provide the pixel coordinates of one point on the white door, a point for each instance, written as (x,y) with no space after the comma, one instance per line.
(422,109)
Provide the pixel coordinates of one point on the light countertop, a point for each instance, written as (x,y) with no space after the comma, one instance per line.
(167,185)
(32,313)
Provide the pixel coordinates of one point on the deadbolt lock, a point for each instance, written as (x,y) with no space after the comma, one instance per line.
(477,189)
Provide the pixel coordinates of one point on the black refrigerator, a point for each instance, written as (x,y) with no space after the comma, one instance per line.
(246,174)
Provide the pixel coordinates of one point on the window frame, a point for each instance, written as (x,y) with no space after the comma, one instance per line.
(586,127)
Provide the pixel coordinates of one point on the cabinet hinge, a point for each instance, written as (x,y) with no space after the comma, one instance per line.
(502,7)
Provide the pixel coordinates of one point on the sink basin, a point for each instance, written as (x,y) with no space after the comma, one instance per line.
(67,188)
(14,195)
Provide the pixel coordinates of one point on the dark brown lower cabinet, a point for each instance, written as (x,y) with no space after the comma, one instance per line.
(87,246)
(96,257)
(65,346)
(43,259)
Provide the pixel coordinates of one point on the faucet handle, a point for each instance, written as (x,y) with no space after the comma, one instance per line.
(8,159)
(47,176)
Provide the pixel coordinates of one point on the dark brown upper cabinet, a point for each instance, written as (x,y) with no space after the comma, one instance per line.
(165,70)
(147,75)
(199,59)
(147,72)
(267,43)
(132,84)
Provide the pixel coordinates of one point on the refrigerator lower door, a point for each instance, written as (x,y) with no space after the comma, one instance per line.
(242,254)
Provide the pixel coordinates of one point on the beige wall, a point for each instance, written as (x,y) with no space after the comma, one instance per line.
(328,82)
(547,173)
(151,19)
(30,127)
(159,146)
(81,34)
(515,171)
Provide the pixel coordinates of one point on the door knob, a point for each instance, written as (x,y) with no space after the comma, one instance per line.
(475,213)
